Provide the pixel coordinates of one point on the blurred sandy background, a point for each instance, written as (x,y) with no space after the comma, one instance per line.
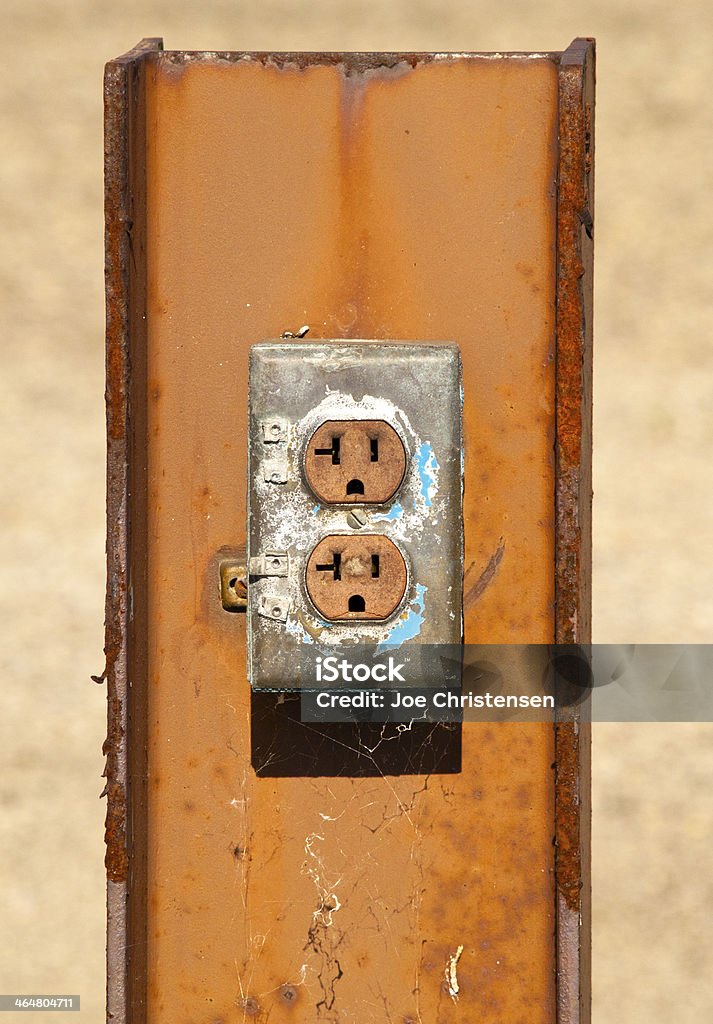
(654,429)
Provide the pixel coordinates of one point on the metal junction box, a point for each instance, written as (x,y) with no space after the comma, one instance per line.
(355,453)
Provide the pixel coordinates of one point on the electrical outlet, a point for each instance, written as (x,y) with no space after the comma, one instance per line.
(355,462)
(356,577)
(355,533)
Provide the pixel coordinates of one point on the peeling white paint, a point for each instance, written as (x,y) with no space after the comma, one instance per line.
(295,628)
(452,973)
(427,465)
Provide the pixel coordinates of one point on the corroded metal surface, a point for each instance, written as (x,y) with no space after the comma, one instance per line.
(376,196)
(575,209)
(125,298)
(233,585)
(341,452)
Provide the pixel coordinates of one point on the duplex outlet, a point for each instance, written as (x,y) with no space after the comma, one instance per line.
(355,462)
(354,503)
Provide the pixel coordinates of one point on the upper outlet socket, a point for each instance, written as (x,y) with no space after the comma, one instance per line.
(355,462)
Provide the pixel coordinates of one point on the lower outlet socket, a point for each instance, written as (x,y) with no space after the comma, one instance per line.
(356,578)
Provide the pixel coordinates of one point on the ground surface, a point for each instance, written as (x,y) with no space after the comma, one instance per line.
(653,870)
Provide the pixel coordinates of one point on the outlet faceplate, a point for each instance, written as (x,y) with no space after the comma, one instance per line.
(355,532)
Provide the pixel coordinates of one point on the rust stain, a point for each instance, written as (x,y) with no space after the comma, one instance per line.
(123,263)
(476,589)
(573,449)
(574,351)
(249,1006)
(116,859)
(568,809)
(288,995)
(117,316)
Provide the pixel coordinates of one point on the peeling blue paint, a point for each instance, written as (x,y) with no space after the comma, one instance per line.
(427,469)
(395,512)
(315,510)
(295,628)
(409,625)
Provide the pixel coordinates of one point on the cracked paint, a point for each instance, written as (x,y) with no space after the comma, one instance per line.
(395,512)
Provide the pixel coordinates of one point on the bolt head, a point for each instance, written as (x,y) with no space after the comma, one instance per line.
(357,518)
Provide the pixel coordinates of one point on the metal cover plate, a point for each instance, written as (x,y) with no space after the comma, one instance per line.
(417,389)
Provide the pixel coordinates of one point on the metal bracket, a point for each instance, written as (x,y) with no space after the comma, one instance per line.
(274,471)
(274,430)
(270,563)
(274,606)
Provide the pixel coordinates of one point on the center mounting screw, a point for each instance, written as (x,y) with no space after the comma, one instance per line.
(357,518)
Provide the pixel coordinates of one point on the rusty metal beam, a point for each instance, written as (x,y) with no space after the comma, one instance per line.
(124,189)
(573,503)
(370,195)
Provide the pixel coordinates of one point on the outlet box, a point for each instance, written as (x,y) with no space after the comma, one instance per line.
(355,532)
